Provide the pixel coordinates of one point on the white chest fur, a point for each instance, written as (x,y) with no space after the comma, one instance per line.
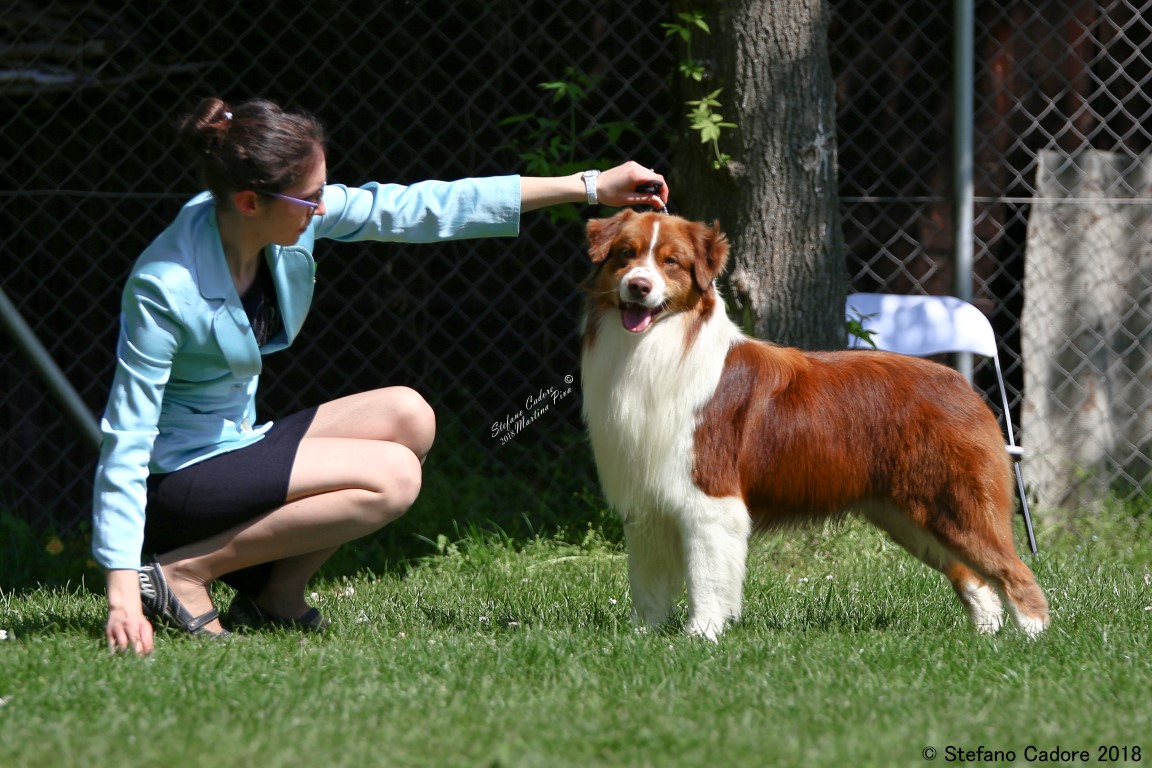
(641,396)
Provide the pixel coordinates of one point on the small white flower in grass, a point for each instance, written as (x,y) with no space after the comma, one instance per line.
(4,700)
(349,591)
(829,577)
(612,601)
(3,634)
(1148,579)
(314,597)
(803,580)
(363,619)
(483,619)
(513,624)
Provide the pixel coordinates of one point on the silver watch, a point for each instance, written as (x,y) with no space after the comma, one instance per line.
(590,185)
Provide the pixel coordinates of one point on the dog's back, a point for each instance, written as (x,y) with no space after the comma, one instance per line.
(812,434)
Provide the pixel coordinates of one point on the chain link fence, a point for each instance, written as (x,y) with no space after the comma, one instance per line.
(411,90)
(1067,81)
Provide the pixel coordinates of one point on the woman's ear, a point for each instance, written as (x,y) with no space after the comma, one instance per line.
(246,202)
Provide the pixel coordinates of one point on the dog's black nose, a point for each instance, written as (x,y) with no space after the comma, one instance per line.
(639,287)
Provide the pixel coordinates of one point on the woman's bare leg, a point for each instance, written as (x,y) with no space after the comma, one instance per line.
(358,468)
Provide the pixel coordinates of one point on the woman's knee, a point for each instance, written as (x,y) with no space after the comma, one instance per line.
(402,478)
(414,419)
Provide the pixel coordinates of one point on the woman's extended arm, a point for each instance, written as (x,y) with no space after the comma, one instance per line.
(614,187)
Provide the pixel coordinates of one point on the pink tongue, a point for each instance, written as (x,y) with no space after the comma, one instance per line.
(636,319)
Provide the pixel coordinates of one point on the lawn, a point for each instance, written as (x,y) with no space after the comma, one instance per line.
(498,652)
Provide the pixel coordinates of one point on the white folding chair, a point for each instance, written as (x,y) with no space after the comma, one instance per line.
(932,325)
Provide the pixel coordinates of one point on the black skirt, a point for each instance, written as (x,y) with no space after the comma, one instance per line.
(214,495)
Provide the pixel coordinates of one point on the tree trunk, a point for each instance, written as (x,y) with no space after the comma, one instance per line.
(1086,419)
(776,197)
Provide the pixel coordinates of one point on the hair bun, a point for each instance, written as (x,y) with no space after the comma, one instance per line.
(253,144)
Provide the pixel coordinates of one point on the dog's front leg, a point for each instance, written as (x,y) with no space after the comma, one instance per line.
(716,536)
(655,568)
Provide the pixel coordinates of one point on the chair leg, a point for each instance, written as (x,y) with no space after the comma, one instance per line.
(1017,453)
(1024,508)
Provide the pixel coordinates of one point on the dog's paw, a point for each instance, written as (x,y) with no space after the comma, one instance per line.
(1031,626)
(709,630)
(984,608)
(989,627)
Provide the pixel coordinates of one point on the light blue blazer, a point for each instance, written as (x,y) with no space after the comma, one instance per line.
(187,363)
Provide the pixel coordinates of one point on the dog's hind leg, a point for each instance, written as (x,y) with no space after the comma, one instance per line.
(716,536)
(995,559)
(655,568)
(978,533)
(979,559)
(980,600)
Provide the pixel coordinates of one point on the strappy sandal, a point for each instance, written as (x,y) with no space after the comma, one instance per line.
(245,614)
(160,603)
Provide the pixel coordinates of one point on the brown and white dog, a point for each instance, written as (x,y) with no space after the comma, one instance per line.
(702,436)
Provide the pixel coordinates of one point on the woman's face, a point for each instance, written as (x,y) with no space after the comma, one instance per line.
(288,216)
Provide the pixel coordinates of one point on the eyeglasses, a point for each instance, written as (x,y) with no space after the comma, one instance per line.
(312,204)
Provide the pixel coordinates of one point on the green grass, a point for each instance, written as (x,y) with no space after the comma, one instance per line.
(500,652)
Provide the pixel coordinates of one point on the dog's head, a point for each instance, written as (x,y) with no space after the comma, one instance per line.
(651,265)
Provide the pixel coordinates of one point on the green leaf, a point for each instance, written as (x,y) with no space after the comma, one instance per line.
(855,327)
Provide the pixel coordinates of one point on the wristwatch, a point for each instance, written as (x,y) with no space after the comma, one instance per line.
(590,185)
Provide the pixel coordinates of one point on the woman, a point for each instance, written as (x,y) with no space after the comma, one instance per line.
(185,470)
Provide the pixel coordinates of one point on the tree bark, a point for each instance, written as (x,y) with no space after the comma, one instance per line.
(777,197)
(1086,419)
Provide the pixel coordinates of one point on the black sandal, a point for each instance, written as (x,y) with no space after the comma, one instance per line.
(245,614)
(160,603)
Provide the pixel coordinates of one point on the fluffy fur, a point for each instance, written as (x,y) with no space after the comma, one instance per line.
(703,436)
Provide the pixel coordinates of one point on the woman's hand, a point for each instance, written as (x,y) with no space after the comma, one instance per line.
(127,628)
(617,186)
(614,187)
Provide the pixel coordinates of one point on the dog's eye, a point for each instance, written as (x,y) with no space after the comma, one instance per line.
(625,254)
(671,263)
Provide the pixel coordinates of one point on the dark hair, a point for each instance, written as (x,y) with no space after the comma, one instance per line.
(252,145)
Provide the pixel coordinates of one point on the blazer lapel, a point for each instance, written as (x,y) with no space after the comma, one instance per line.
(229,322)
(294,274)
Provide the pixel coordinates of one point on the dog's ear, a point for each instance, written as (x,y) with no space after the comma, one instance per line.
(602,232)
(711,254)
